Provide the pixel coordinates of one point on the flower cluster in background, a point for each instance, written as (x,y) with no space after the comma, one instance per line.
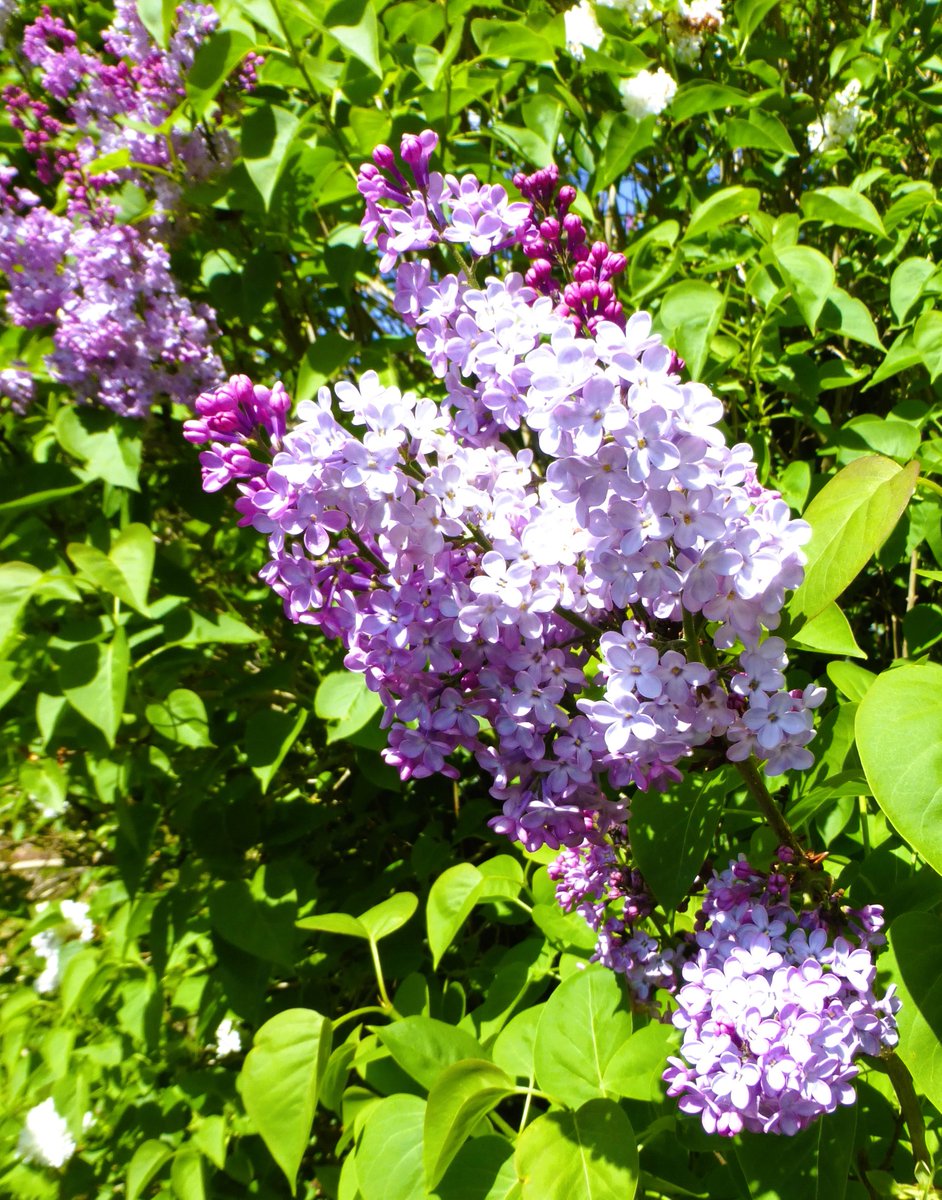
(561,568)
(839,121)
(46,1138)
(74,925)
(123,333)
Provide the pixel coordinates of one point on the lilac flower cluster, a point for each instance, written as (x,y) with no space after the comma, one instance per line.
(552,568)
(613,899)
(118,104)
(123,334)
(776,1007)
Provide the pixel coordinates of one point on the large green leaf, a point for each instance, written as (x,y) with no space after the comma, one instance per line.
(586,1155)
(424,1047)
(690,315)
(810,278)
(343,699)
(899,738)
(842,206)
(452,897)
(148,1159)
(850,518)
(353,24)
(720,208)
(635,1070)
(389,1156)
(461,1096)
(584,1023)
(671,832)
(94,679)
(267,134)
(181,718)
(916,959)
(269,737)
(279,1082)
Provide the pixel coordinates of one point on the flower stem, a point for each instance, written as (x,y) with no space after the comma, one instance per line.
(769,809)
(902,1082)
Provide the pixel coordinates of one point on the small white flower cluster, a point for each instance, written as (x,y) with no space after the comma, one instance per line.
(691,23)
(582,29)
(839,121)
(228,1040)
(647,93)
(45,1138)
(76,925)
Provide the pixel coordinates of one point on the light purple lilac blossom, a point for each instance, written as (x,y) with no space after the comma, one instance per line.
(775,1008)
(525,603)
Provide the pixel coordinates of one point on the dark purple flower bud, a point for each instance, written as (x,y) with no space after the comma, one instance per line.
(565,199)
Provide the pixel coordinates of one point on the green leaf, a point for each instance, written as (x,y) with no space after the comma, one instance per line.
(899,738)
(847,315)
(181,718)
(584,1023)
(383,919)
(186,1174)
(922,628)
(812,1165)
(696,98)
(341,923)
(684,818)
(829,632)
(132,552)
(852,680)
(625,140)
(353,24)
(927,340)
(17,582)
(512,40)
(267,134)
(157,18)
(94,679)
(461,1096)
(690,314)
(900,357)
(148,1159)
(851,517)
(483,1169)
(810,278)
(451,898)
(907,283)
(586,1155)
(720,208)
(634,1071)
(344,698)
(761,131)
(279,1082)
(215,59)
(424,1047)
(252,920)
(389,1156)
(842,206)
(268,738)
(916,960)
(886,435)
(107,452)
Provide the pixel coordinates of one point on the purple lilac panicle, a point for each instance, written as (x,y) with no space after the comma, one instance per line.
(471,581)
(775,1008)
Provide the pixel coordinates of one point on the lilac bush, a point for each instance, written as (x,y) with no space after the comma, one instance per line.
(123,333)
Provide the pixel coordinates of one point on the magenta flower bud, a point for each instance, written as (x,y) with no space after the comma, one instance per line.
(582,272)
(565,199)
(605,293)
(588,291)
(384,158)
(550,229)
(575,230)
(579,254)
(535,249)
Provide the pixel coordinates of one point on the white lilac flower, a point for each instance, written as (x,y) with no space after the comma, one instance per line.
(582,29)
(838,123)
(45,1138)
(76,925)
(228,1040)
(647,93)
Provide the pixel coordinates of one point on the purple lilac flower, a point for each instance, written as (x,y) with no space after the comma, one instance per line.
(469,579)
(775,1008)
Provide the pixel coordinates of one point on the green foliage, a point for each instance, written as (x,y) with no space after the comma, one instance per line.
(208,777)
